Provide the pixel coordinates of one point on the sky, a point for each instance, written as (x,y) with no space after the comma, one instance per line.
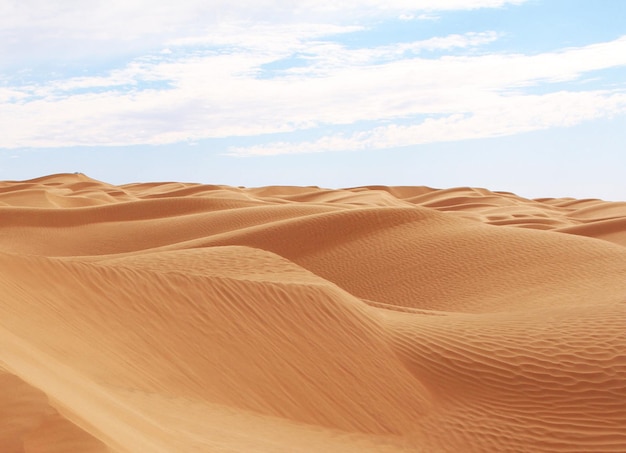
(525,96)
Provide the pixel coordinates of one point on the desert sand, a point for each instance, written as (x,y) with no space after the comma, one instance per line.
(171,317)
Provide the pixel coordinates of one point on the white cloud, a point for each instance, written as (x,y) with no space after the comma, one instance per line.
(213,81)
(35,31)
(326,56)
(132,19)
(428,16)
(219,94)
(507,116)
(10,95)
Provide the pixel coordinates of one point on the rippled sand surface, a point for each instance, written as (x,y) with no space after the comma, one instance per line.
(171,317)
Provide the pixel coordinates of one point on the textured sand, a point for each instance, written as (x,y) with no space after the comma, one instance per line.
(172,317)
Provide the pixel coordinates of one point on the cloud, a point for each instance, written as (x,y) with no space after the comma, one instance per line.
(219,92)
(132,19)
(212,89)
(249,78)
(508,116)
(36,31)
(429,17)
(10,95)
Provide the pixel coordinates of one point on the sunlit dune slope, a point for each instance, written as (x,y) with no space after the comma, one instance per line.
(171,317)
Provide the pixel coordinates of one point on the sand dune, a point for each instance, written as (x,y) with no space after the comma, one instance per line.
(171,317)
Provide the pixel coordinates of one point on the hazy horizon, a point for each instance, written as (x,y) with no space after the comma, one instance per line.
(511,95)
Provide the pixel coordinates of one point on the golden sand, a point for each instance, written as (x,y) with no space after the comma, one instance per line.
(170,317)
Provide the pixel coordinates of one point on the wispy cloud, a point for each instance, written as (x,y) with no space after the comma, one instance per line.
(213,79)
(37,32)
(508,116)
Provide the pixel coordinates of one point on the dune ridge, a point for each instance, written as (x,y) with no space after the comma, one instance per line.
(188,317)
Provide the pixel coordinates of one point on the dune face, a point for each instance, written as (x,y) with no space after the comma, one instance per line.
(171,317)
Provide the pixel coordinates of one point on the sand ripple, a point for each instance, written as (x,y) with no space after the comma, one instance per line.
(171,317)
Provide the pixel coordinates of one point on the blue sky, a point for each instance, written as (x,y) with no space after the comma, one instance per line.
(527,96)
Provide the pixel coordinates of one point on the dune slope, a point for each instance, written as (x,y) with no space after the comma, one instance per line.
(169,317)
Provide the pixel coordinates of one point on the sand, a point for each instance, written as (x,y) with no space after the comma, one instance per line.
(171,317)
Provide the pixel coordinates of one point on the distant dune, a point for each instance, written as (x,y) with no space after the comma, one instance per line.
(170,317)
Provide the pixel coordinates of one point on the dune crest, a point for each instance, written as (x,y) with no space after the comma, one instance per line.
(164,317)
